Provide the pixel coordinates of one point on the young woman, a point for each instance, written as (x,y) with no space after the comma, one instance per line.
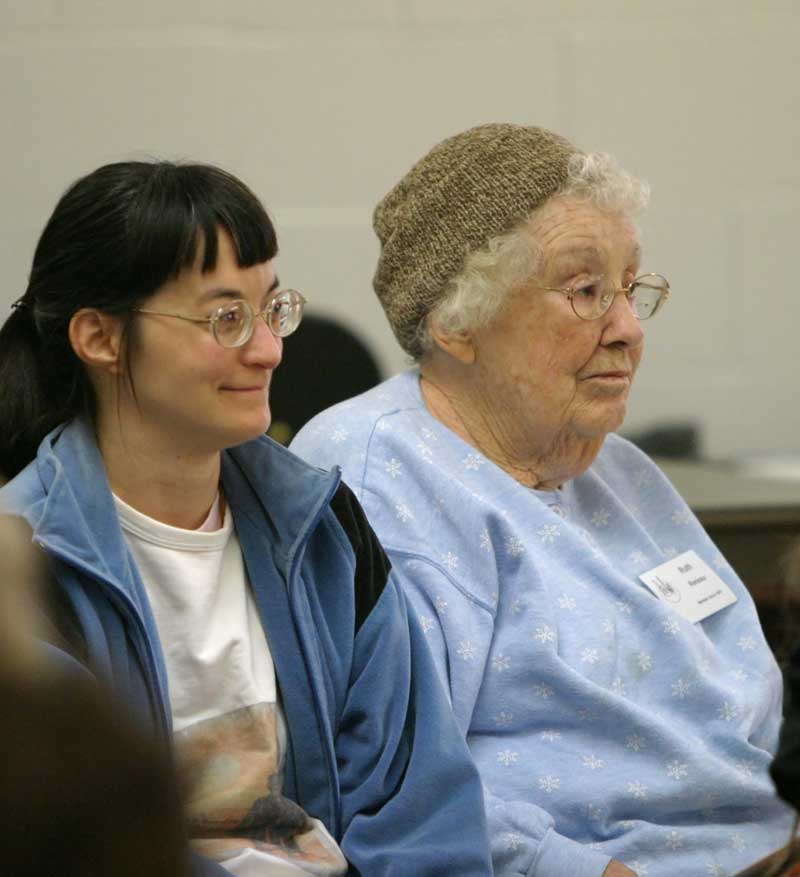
(235,598)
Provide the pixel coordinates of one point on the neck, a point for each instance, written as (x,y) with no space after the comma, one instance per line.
(176,486)
(543,462)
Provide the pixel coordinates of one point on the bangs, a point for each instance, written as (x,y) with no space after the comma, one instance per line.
(179,213)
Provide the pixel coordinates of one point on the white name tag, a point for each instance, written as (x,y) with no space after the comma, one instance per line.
(690,586)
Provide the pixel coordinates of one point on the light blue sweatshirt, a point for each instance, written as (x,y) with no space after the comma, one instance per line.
(604,724)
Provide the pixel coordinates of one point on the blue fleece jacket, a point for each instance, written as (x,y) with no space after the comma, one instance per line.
(373,749)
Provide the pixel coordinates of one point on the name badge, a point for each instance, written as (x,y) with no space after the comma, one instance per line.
(689,586)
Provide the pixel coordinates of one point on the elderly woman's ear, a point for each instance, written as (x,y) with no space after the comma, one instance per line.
(460,345)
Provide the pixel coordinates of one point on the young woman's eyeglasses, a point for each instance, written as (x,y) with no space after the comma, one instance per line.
(232,324)
(592,298)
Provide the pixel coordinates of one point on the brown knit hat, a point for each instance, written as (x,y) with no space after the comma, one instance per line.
(465,191)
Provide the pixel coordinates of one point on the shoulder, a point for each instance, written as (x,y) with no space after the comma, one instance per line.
(344,434)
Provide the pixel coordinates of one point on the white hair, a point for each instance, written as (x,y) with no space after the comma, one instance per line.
(475,296)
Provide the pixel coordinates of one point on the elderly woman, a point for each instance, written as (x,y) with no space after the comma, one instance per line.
(609,727)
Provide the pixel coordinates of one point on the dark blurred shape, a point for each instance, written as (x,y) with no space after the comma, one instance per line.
(676,441)
(81,793)
(324,362)
(786,766)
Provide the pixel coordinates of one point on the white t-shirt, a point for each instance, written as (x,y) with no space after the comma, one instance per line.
(227,722)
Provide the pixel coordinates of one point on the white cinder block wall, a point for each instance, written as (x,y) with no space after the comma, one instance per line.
(321,106)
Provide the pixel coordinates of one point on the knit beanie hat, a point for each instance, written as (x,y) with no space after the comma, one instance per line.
(468,189)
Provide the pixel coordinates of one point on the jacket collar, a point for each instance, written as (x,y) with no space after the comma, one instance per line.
(65,497)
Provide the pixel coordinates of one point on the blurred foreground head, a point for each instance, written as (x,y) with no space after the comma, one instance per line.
(82,794)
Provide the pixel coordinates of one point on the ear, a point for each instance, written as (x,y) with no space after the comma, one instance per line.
(460,346)
(96,338)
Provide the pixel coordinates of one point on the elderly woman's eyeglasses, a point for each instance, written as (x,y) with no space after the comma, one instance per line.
(232,324)
(593,297)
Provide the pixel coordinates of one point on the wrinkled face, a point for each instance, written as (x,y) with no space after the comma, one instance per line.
(554,375)
(190,391)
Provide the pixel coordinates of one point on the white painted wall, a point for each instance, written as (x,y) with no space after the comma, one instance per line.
(322,105)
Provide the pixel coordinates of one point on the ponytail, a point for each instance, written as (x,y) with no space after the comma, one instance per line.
(33,400)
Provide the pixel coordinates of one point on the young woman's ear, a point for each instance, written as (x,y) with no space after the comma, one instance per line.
(96,338)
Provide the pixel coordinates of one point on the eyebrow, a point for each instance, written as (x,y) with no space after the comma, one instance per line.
(229,293)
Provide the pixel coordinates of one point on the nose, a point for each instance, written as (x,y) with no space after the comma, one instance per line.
(263,349)
(623,327)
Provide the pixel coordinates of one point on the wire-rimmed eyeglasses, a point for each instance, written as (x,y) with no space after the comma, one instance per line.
(232,324)
(592,298)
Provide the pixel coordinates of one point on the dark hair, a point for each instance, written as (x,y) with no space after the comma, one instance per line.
(115,237)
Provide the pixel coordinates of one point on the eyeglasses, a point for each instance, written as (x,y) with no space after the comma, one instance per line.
(232,324)
(593,297)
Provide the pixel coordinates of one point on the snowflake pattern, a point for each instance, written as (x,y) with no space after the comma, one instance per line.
(618,687)
(624,608)
(548,533)
(545,634)
(669,552)
(549,783)
(641,868)
(745,768)
(678,770)
(485,541)
(504,718)
(441,604)
(637,789)
(426,451)
(393,467)
(681,688)
(382,426)
(635,743)
(738,842)
(339,435)
(637,558)
(608,626)
(500,663)
(515,607)
(674,840)
(739,674)
(592,762)
(566,602)
(550,736)
(746,643)
(728,712)
(403,512)
(473,462)
(427,623)
(714,869)
(466,650)
(507,757)
(450,560)
(670,626)
(590,656)
(643,661)
(600,518)
(681,517)
(544,691)
(511,840)
(514,546)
